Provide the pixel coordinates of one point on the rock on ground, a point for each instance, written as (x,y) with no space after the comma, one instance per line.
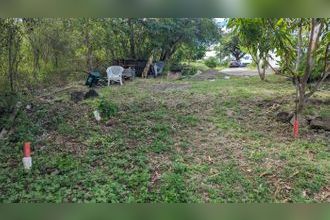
(301,119)
(77,96)
(91,94)
(284,117)
(320,123)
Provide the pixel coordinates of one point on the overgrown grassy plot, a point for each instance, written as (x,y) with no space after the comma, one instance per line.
(187,141)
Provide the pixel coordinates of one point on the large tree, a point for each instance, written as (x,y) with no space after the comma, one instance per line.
(168,34)
(303,45)
(11,47)
(232,46)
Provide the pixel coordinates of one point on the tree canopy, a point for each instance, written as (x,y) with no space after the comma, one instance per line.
(36,47)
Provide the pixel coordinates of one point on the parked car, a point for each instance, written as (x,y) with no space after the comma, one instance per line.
(247,59)
(236,63)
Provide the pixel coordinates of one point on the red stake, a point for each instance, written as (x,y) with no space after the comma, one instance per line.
(27,149)
(296,128)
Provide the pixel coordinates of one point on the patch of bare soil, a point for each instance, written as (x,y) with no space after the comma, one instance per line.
(323,195)
(170,87)
(207,75)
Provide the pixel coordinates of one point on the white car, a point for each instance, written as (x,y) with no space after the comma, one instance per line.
(247,59)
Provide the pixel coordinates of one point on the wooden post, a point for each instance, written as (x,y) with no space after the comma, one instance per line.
(147,67)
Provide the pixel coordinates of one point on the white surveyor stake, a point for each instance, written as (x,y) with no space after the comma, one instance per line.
(97,116)
(27,160)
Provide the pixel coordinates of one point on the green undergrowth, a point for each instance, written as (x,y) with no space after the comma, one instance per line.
(164,141)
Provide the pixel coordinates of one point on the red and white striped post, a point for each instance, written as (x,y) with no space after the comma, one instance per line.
(27,160)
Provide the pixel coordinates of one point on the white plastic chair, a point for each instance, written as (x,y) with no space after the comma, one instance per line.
(115,73)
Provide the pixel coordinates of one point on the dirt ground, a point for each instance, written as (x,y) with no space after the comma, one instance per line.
(242,71)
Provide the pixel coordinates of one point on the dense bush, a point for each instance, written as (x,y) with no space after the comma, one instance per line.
(186,70)
(211,62)
(107,108)
(189,70)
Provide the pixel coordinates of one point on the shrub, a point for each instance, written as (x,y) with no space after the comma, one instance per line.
(189,70)
(224,63)
(211,62)
(107,108)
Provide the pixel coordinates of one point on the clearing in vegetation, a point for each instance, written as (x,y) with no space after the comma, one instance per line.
(168,141)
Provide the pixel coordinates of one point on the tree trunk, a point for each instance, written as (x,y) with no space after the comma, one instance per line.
(88,45)
(170,50)
(312,47)
(299,52)
(164,55)
(238,55)
(261,69)
(89,57)
(237,58)
(301,98)
(313,44)
(10,58)
(263,73)
(147,67)
(299,92)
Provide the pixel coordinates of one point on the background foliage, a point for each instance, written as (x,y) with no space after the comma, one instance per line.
(34,49)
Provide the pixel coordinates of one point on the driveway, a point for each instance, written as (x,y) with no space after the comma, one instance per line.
(242,71)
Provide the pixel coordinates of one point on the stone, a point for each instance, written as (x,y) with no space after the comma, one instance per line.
(320,123)
(284,117)
(77,96)
(97,116)
(91,94)
(309,118)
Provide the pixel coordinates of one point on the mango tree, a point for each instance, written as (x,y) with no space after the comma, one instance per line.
(303,45)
